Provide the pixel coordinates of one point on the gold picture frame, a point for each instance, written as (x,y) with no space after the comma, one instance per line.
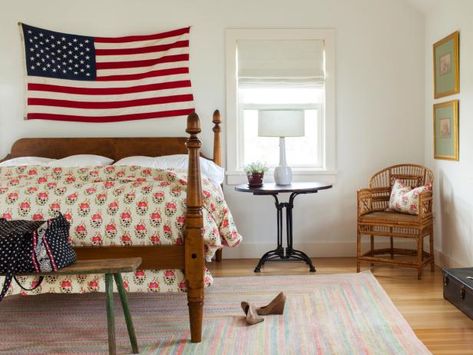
(446,130)
(446,56)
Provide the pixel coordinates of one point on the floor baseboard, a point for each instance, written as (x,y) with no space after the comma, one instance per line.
(315,249)
(444,260)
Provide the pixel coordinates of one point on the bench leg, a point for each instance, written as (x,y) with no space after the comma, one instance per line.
(126,312)
(112,348)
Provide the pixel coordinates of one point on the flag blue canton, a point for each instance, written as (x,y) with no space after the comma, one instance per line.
(59,55)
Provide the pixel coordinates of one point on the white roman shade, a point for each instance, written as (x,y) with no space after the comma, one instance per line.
(284,61)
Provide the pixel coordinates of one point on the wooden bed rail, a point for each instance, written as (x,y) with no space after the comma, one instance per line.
(194,241)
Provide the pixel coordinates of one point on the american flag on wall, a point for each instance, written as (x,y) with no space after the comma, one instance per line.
(106,79)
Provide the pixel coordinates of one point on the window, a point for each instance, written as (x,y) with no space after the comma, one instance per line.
(280,69)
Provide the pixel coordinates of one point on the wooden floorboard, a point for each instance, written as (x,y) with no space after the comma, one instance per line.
(442,327)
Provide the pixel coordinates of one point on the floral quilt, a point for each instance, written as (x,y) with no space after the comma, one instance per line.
(115,205)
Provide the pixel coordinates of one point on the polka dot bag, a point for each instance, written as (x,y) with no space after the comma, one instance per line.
(28,247)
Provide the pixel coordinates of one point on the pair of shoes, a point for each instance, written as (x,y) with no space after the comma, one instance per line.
(276,306)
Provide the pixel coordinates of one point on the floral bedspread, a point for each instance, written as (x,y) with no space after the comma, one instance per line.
(115,205)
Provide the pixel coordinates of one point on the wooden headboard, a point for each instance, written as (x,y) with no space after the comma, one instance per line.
(113,148)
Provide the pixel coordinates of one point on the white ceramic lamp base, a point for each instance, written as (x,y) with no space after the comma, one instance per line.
(282,173)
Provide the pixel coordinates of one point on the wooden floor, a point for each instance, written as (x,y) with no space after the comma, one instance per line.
(441,326)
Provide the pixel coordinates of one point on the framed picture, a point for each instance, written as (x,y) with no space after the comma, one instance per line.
(446,130)
(447,66)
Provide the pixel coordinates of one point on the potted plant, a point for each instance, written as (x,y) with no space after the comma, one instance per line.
(255,173)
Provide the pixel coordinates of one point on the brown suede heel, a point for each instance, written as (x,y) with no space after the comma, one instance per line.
(276,306)
(252,316)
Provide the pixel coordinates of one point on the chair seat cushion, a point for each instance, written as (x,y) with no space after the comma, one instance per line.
(389,217)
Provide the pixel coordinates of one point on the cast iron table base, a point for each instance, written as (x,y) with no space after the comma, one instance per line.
(288,253)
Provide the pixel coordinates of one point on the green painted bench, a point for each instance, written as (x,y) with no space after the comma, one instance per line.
(112,268)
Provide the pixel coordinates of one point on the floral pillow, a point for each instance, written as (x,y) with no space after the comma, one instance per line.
(406,199)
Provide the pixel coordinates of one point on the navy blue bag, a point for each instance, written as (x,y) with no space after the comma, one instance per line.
(28,247)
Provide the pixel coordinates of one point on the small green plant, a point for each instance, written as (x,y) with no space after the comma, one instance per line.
(256,167)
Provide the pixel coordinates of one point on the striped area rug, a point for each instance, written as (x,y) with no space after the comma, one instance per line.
(325,314)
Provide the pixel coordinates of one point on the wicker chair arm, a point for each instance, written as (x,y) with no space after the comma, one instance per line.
(425,204)
(364,201)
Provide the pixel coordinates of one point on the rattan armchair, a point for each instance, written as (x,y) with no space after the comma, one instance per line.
(376,221)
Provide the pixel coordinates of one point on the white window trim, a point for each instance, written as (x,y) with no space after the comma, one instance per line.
(232,35)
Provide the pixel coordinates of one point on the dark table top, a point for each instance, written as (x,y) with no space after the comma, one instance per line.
(272,188)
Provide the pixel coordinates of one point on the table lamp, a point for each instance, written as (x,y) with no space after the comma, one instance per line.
(281,123)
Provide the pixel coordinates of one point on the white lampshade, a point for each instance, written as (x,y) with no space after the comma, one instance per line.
(281,123)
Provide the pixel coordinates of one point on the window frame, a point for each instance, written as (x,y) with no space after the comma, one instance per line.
(235,174)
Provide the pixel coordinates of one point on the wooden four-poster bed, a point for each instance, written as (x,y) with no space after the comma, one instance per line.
(189,256)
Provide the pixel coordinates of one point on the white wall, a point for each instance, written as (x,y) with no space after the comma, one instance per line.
(454,187)
(379,92)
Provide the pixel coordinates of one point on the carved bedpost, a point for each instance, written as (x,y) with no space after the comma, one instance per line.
(194,241)
(217,120)
(217,158)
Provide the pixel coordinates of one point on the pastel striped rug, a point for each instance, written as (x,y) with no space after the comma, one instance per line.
(325,314)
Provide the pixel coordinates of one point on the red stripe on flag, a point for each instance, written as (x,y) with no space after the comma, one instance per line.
(108,105)
(143,63)
(118,118)
(162,72)
(109,91)
(162,35)
(140,50)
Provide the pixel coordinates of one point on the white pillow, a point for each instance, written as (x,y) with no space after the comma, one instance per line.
(81,160)
(212,171)
(405,198)
(26,161)
(138,160)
